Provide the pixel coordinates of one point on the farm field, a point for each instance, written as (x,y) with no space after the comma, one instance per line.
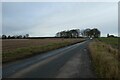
(13,49)
(110,41)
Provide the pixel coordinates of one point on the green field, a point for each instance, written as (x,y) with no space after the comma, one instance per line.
(111,41)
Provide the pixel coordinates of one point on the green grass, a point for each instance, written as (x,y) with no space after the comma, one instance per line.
(111,41)
(30,51)
(104,59)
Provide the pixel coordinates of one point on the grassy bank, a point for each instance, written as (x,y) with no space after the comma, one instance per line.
(104,60)
(24,52)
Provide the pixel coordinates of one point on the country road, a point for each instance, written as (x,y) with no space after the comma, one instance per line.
(68,62)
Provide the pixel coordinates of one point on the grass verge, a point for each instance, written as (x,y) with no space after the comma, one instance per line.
(105,60)
(21,53)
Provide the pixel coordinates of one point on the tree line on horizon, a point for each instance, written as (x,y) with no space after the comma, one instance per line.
(15,36)
(75,33)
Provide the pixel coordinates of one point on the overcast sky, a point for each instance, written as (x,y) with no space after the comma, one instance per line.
(48,18)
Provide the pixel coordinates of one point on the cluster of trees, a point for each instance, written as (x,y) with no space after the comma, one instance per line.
(91,33)
(15,36)
(75,33)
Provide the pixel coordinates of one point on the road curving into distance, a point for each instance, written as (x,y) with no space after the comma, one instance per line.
(53,64)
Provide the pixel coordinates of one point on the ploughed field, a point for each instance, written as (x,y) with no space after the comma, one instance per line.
(13,49)
(11,44)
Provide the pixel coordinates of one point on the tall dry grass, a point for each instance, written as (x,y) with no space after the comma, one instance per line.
(104,59)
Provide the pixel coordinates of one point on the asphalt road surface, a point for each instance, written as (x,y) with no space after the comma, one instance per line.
(68,62)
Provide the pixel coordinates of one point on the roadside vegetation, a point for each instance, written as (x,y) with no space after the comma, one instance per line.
(105,57)
(17,49)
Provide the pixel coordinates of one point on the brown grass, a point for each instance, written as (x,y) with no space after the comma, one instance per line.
(105,60)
